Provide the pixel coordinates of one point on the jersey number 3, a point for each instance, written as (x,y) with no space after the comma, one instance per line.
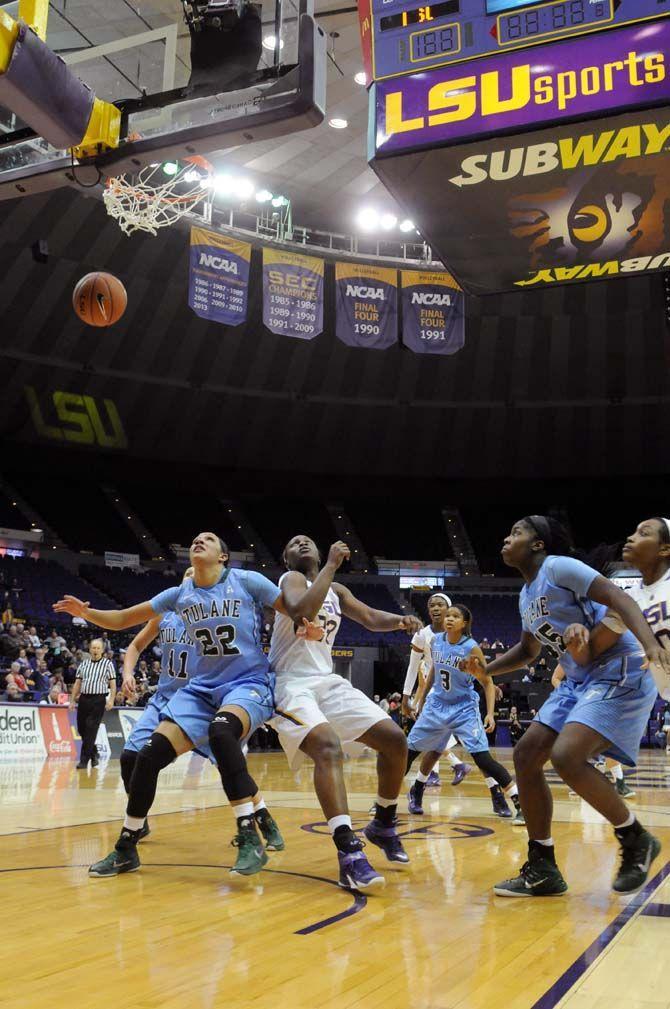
(445,677)
(218,643)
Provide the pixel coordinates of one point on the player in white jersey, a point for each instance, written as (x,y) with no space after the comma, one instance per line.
(420,660)
(648,550)
(317,712)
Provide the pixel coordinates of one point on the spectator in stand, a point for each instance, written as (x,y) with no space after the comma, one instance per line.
(15,676)
(516,729)
(24,661)
(12,694)
(7,612)
(120,699)
(485,645)
(542,669)
(383,704)
(41,679)
(497,646)
(58,682)
(9,643)
(155,673)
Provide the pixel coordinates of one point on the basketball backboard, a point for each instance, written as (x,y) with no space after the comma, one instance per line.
(140,59)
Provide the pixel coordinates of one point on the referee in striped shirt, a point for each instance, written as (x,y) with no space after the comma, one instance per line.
(94,689)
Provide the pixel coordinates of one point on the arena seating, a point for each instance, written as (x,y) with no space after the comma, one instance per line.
(176,516)
(400,529)
(278,518)
(43,582)
(79,512)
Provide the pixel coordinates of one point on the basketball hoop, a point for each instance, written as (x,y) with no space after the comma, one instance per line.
(149,201)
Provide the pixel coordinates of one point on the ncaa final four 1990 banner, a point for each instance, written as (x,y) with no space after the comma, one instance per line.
(292,294)
(433,312)
(366,305)
(219,277)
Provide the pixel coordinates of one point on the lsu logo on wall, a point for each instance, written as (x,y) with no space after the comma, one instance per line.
(80,420)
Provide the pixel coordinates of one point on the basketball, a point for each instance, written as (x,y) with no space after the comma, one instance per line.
(99,299)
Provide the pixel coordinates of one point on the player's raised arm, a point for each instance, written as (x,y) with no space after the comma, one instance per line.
(141,641)
(111,620)
(374,620)
(602,590)
(424,689)
(303,601)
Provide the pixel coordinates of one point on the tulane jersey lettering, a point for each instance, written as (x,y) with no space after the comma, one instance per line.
(558,597)
(223,624)
(178,654)
(451,685)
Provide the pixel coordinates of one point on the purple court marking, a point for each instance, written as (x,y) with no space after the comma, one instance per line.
(569,978)
(459,829)
(359,899)
(656,911)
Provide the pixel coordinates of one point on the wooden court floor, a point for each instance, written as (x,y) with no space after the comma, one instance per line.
(178,935)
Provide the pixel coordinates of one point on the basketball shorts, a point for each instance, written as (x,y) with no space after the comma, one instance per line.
(146,724)
(618,708)
(437,723)
(193,707)
(303,702)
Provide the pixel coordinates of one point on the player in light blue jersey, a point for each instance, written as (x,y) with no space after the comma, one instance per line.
(449,704)
(228,696)
(178,657)
(600,708)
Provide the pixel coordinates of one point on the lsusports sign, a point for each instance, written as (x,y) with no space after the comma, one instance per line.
(366,305)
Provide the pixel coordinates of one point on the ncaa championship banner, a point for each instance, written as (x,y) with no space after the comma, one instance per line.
(218,277)
(433,312)
(366,306)
(588,76)
(292,294)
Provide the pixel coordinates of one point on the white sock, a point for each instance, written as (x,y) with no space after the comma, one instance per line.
(627,822)
(420,776)
(549,843)
(490,782)
(133,822)
(436,767)
(244,809)
(511,789)
(259,805)
(339,821)
(453,759)
(386,802)
(617,772)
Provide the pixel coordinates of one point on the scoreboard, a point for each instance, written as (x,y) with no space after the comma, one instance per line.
(403,37)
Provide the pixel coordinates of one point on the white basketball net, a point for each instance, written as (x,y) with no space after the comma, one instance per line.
(151,199)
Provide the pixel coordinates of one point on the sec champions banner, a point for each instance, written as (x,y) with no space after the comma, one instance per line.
(292,294)
(366,306)
(433,313)
(219,277)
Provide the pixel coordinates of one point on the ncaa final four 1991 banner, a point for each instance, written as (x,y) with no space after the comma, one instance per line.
(219,277)
(366,305)
(433,312)
(292,294)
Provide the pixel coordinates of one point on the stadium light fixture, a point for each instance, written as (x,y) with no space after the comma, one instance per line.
(388,221)
(361,78)
(405,226)
(338,124)
(368,219)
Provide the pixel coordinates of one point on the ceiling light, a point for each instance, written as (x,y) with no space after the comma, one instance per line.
(223,184)
(170,168)
(338,124)
(388,221)
(269,43)
(361,77)
(263,195)
(368,219)
(407,225)
(242,188)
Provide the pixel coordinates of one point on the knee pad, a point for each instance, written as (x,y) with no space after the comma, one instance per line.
(225,732)
(490,768)
(157,753)
(127,761)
